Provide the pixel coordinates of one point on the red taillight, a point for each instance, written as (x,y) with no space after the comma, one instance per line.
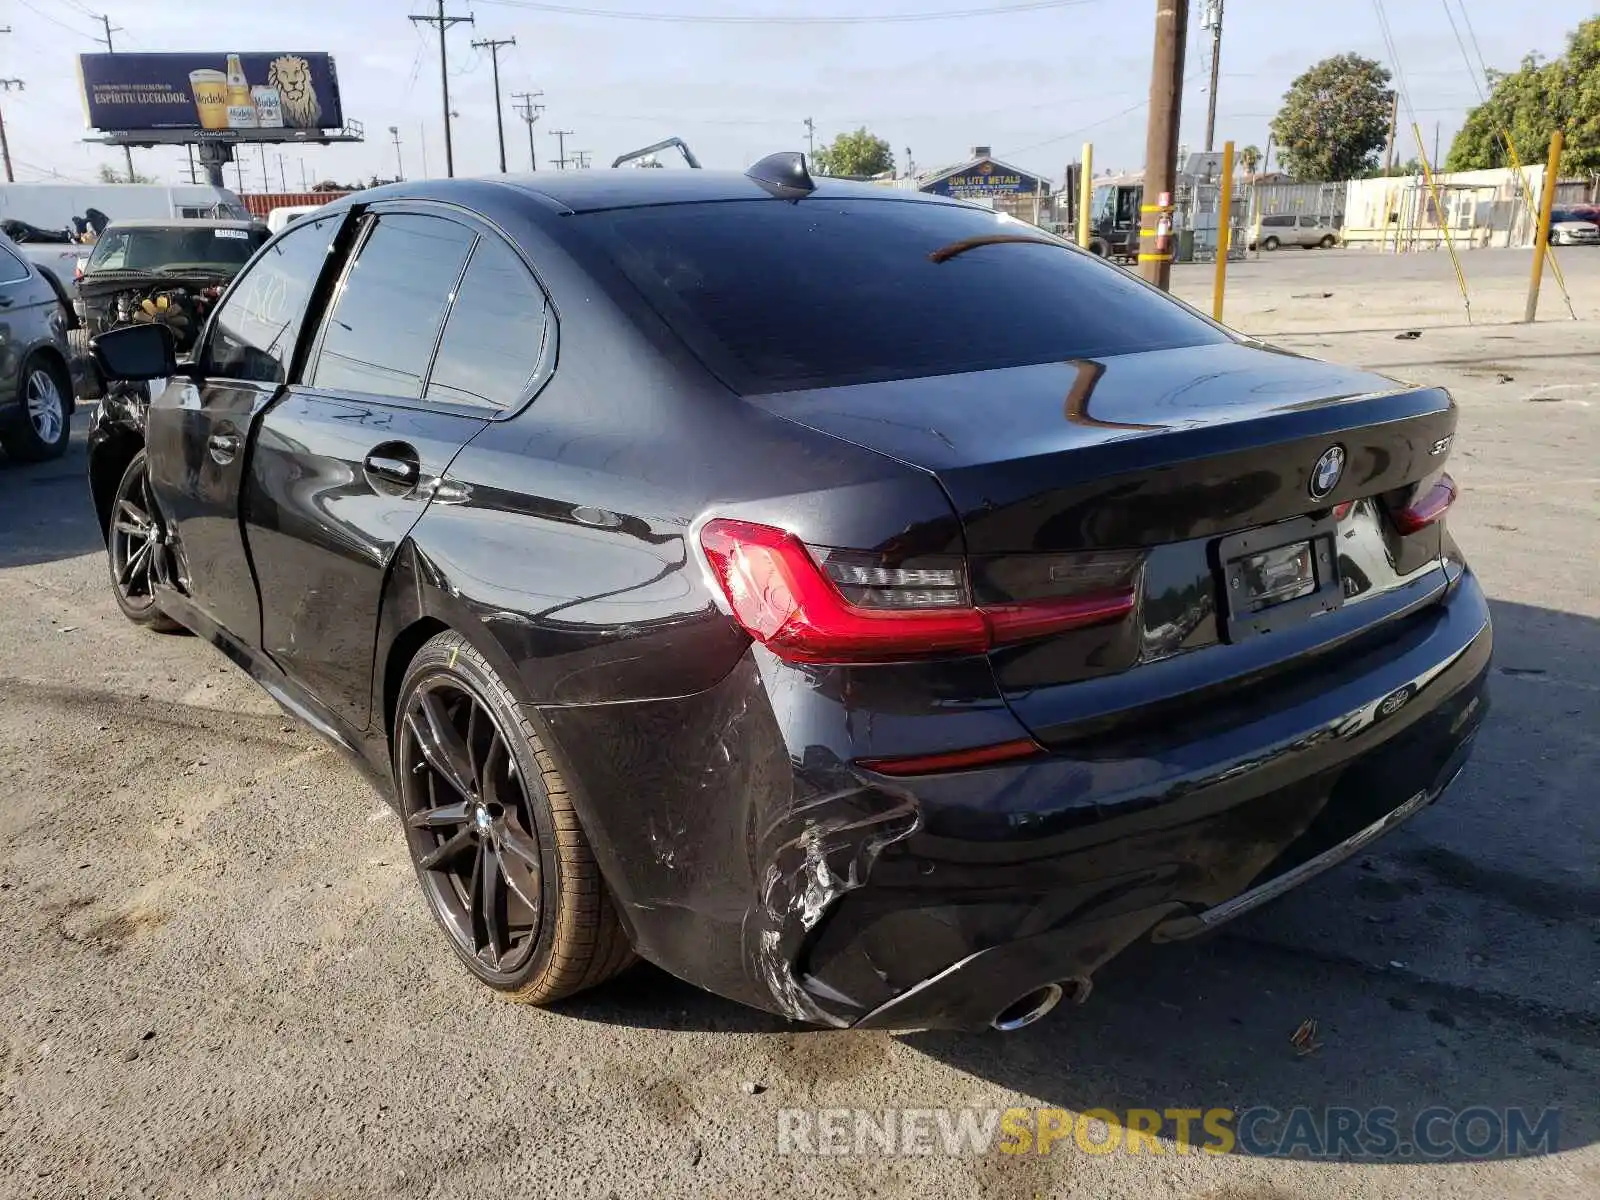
(829,606)
(1428,507)
(1341,511)
(954,760)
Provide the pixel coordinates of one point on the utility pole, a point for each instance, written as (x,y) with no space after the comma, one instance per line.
(283,175)
(580,159)
(444,23)
(811,138)
(305,180)
(127,151)
(561,136)
(1394,126)
(193,178)
(529,112)
(266,178)
(493,46)
(5,146)
(399,167)
(1213,22)
(1161,142)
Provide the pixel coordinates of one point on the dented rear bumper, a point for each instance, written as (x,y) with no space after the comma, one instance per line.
(749,857)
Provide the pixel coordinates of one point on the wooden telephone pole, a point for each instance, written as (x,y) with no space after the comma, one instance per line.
(1213,22)
(444,23)
(529,111)
(493,46)
(1161,142)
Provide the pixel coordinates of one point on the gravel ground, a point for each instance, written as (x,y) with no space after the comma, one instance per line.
(220,979)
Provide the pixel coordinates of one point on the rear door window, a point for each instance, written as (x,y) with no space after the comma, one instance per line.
(777,296)
(496,332)
(380,335)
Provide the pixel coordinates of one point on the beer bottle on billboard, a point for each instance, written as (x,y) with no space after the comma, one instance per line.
(238,85)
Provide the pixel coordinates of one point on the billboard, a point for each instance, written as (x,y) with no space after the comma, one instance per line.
(215,95)
(986,178)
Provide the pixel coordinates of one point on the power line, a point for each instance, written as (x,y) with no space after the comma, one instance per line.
(1473,35)
(948,14)
(27,4)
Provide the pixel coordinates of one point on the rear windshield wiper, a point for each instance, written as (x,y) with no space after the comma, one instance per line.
(946,253)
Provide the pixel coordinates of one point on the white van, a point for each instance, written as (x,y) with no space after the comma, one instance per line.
(54,205)
(282,217)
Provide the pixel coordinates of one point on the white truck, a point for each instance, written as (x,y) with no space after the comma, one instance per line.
(43,218)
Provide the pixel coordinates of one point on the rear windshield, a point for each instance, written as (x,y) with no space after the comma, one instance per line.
(175,249)
(776,296)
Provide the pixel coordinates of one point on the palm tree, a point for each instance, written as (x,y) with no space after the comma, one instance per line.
(1250,157)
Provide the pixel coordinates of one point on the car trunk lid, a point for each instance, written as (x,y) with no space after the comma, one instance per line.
(1185,470)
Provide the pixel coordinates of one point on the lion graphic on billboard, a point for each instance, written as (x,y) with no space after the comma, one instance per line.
(291,75)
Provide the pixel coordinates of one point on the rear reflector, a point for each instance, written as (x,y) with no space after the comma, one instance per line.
(1431,504)
(954,760)
(842,606)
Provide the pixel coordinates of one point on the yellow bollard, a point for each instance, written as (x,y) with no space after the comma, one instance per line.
(1224,231)
(1541,236)
(1085,194)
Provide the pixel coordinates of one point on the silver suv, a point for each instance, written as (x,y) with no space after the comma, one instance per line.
(1286,229)
(35,383)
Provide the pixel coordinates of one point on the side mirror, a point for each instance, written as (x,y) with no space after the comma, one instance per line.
(136,353)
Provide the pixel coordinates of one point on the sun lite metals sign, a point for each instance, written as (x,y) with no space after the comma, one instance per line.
(986,178)
(215,95)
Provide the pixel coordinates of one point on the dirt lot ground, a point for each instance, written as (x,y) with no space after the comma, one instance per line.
(219,978)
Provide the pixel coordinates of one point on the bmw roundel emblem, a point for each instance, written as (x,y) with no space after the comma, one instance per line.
(1326,474)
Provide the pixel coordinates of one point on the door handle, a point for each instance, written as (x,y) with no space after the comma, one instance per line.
(393,469)
(223,447)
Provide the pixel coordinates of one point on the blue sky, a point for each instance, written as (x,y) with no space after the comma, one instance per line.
(1032,84)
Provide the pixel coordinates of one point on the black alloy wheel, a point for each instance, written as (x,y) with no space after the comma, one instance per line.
(139,549)
(499,853)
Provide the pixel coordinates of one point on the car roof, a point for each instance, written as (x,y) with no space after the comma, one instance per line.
(183,223)
(594,190)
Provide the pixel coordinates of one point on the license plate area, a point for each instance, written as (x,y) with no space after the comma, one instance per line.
(1278,576)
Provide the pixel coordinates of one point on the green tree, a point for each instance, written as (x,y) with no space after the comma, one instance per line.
(1531,103)
(1334,119)
(109,174)
(858,153)
(1250,159)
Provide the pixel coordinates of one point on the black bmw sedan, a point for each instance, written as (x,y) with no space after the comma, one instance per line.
(861,605)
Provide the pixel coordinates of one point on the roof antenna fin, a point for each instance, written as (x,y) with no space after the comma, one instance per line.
(784,175)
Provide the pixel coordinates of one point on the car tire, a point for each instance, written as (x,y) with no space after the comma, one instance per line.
(1099,247)
(1270,243)
(1328,243)
(502,859)
(43,426)
(136,538)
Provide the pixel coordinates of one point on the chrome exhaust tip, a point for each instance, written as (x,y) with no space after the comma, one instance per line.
(1028,1008)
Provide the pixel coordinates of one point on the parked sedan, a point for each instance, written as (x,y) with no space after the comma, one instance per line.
(1571,228)
(35,385)
(710,570)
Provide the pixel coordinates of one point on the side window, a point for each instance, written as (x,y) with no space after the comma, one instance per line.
(12,268)
(255,331)
(1279,222)
(1308,222)
(495,332)
(382,329)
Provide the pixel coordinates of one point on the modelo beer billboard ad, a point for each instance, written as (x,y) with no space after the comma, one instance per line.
(213,94)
